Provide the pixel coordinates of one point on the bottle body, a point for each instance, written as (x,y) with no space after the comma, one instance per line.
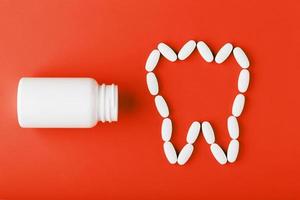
(61,103)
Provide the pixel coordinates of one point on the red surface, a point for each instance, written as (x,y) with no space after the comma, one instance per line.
(110,41)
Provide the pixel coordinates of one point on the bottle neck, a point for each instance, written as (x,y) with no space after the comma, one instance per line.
(107,103)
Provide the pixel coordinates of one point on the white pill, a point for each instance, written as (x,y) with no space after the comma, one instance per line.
(243,81)
(161,106)
(233,150)
(166,129)
(152,83)
(238,105)
(241,57)
(223,53)
(152,60)
(193,132)
(208,132)
(186,50)
(170,152)
(167,52)
(205,52)
(185,154)
(233,127)
(218,153)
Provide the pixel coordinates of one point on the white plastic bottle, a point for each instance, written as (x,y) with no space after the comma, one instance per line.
(65,102)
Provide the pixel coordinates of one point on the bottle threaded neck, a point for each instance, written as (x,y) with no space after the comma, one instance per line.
(108,103)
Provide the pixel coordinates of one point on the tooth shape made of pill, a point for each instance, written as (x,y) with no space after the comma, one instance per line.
(164,50)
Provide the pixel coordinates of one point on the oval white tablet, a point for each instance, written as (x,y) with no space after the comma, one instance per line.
(152,83)
(167,52)
(241,57)
(170,152)
(186,50)
(205,52)
(238,105)
(161,106)
(193,132)
(223,53)
(233,127)
(243,81)
(218,153)
(185,154)
(152,60)
(233,151)
(166,129)
(208,132)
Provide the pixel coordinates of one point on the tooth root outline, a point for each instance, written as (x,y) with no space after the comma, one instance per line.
(240,61)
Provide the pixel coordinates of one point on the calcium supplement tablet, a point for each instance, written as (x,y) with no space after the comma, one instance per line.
(152,60)
(161,106)
(167,52)
(186,50)
(223,53)
(205,52)
(170,152)
(152,83)
(166,129)
(185,154)
(241,57)
(233,150)
(193,132)
(218,153)
(208,132)
(243,81)
(233,127)
(238,105)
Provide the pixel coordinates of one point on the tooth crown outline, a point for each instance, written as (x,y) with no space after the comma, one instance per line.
(207,129)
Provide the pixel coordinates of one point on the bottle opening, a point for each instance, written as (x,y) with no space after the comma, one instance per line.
(108,103)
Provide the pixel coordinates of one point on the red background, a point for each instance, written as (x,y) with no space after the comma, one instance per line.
(110,41)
